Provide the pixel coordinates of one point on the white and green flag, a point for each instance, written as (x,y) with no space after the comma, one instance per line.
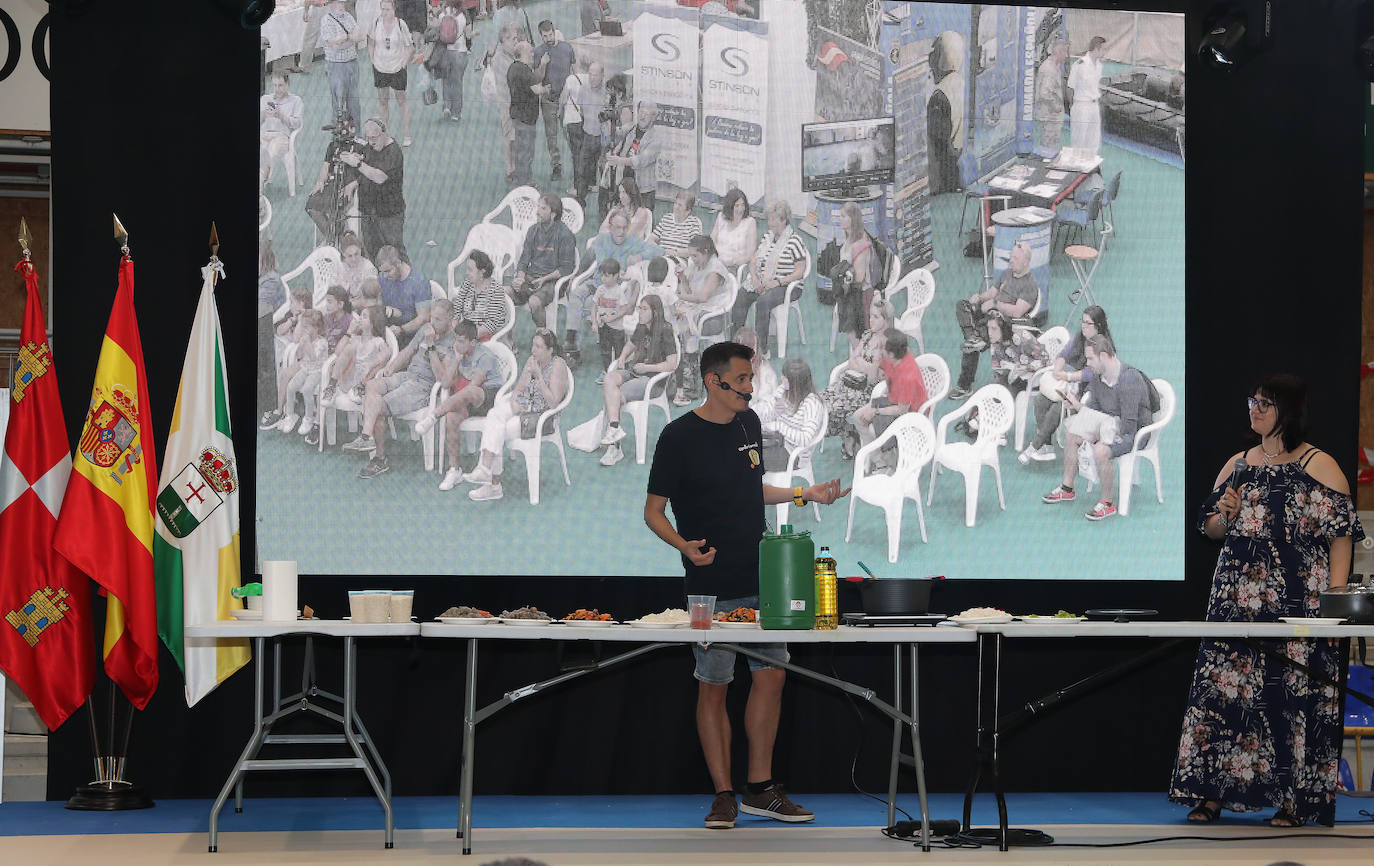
(196,549)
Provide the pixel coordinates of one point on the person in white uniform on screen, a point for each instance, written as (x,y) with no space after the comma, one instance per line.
(1085,87)
(708,464)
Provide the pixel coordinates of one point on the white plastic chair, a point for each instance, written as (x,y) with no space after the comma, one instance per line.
(935,377)
(995,411)
(1145,447)
(264,213)
(498,242)
(430,442)
(915,438)
(798,466)
(325,266)
(655,394)
(1054,340)
(502,334)
(436,291)
(530,449)
(572,215)
(510,371)
(782,313)
(718,311)
(523,204)
(919,286)
(584,267)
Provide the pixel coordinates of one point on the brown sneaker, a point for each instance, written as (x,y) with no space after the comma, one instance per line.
(723,812)
(773,803)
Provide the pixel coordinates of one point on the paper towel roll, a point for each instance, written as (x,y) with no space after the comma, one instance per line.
(279,590)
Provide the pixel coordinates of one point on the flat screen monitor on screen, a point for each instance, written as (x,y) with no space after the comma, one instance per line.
(432,208)
(845,155)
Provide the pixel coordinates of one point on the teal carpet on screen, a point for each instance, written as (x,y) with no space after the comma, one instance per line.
(640,812)
(313,508)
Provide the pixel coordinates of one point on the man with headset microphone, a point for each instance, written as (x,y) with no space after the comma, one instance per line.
(708,464)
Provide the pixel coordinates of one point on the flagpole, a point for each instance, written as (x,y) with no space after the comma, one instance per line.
(109,792)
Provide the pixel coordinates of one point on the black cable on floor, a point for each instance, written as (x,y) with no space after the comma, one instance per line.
(1263,838)
(859,745)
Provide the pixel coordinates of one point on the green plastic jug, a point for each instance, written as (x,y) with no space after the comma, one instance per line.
(787,581)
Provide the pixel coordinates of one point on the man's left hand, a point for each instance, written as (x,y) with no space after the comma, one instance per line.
(826,492)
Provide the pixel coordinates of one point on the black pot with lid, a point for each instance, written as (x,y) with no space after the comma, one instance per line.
(1353,603)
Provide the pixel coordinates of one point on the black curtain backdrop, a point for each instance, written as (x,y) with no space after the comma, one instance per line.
(153,117)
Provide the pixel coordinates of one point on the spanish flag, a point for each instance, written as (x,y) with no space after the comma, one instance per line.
(106,525)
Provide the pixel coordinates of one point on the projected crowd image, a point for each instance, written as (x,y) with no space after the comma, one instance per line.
(495,239)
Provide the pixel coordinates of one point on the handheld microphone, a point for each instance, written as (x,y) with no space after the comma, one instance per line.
(725,386)
(1236,469)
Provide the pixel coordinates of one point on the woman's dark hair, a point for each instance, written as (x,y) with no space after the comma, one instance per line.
(703,244)
(483,262)
(267,257)
(727,206)
(657,318)
(1078,345)
(1003,325)
(1289,395)
(632,190)
(550,339)
(797,373)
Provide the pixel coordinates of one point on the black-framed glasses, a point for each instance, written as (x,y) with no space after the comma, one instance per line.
(1259,403)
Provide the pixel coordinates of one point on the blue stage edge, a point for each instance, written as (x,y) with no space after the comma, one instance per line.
(642,812)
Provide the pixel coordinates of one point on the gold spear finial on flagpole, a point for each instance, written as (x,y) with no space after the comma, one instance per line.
(121,234)
(25,239)
(217,269)
(25,236)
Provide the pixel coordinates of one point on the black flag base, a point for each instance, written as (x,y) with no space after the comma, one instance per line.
(109,797)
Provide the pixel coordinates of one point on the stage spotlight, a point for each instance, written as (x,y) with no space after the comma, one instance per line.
(249,13)
(1235,33)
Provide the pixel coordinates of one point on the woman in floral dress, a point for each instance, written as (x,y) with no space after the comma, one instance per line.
(1258,734)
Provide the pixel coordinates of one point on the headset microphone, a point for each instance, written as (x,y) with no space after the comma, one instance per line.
(725,386)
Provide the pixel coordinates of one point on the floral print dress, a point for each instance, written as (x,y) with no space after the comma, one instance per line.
(1258,734)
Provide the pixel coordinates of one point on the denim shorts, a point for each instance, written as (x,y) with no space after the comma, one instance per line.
(717,666)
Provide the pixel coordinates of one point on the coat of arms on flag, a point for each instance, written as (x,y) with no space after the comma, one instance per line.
(109,430)
(196,491)
(34,361)
(45,607)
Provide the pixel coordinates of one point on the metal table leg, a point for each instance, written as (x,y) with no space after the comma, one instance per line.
(996,743)
(916,747)
(896,736)
(254,743)
(350,716)
(966,822)
(469,746)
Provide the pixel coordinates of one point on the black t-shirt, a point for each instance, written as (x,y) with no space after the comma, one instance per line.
(524,103)
(712,476)
(383,199)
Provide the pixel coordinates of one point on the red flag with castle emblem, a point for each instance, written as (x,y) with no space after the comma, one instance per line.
(106,524)
(45,632)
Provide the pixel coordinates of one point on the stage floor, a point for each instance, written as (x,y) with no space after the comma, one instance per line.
(655,830)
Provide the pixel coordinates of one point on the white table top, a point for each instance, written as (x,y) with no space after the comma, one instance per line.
(629,634)
(326,627)
(1166,629)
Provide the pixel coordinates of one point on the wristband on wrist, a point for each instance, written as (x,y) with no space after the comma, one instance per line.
(797,497)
